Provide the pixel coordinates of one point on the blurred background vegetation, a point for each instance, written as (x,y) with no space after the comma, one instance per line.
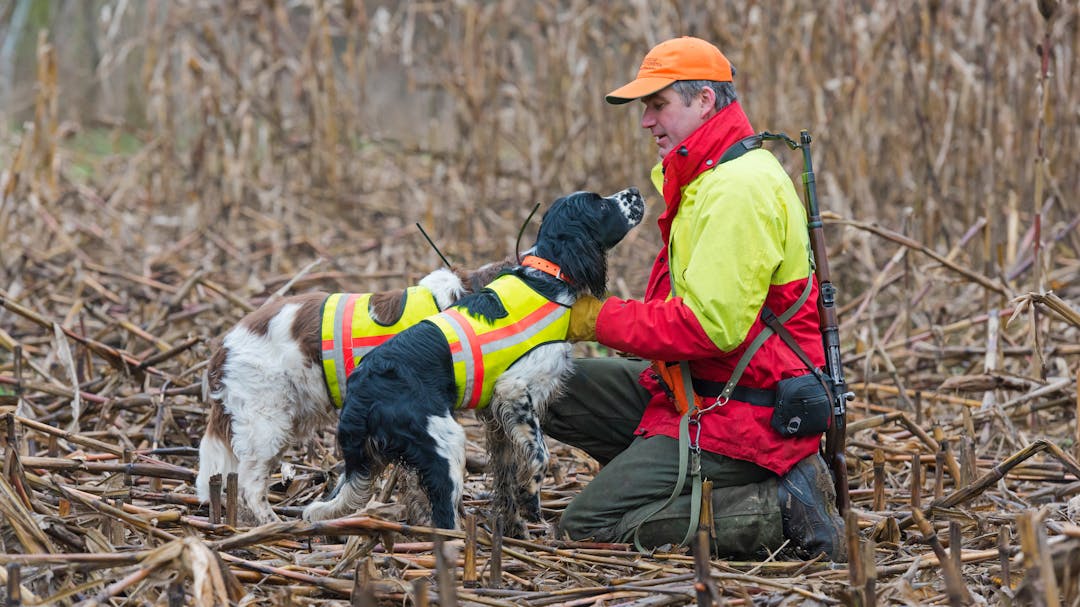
(247,139)
(168,166)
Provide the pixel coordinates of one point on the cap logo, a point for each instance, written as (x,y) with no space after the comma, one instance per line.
(651,63)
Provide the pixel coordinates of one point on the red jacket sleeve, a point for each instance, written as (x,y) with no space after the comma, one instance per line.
(655,329)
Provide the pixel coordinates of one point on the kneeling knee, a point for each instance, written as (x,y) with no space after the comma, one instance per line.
(577,525)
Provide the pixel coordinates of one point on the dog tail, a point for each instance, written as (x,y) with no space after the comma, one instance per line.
(215,449)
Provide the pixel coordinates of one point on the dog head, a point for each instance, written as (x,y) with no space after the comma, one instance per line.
(579,229)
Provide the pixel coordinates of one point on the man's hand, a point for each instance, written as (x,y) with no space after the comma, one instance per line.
(583,319)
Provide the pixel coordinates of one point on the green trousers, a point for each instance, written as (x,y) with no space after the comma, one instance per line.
(598,413)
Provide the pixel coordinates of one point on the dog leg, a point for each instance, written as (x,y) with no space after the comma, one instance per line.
(533,458)
(527,452)
(356,486)
(413,496)
(503,463)
(215,457)
(518,403)
(259,444)
(253,480)
(441,464)
(352,493)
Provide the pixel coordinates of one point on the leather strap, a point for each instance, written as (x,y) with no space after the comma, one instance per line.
(773,322)
(741,147)
(778,327)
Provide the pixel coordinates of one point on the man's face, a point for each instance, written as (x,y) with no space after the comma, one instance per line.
(670,120)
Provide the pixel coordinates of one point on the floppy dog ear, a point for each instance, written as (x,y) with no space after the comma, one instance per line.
(585,266)
(571,236)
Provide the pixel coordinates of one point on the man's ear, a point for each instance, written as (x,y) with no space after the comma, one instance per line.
(707,99)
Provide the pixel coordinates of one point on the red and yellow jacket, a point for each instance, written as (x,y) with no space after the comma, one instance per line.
(736,239)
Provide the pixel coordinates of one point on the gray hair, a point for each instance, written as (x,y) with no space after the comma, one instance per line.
(688,89)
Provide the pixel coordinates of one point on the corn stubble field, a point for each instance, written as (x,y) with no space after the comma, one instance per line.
(170,166)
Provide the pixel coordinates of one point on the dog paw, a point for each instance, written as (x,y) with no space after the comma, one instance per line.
(256,516)
(531,510)
(516,529)
(267,518)
(319,511)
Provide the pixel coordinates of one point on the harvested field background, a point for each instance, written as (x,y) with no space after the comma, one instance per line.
(170,166)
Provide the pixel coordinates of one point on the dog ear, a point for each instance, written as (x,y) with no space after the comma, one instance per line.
(584,264)
(571,236)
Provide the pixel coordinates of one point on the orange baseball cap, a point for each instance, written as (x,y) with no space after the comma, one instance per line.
(685,58)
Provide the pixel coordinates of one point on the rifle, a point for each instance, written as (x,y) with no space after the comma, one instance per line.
(835,437)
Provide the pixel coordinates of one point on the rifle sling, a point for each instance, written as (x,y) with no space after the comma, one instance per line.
(781,331)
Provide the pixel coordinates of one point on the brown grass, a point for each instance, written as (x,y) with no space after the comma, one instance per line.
(168,166)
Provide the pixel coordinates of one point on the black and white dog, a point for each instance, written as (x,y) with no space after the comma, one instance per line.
(503,347)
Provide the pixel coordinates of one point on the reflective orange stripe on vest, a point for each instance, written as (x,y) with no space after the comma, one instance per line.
(482,351)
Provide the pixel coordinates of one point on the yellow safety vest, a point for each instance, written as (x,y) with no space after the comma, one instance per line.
(482,351)
(349,332)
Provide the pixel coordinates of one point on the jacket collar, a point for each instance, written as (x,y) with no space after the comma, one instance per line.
(698,153)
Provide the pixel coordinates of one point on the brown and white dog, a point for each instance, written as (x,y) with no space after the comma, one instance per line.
(268,388)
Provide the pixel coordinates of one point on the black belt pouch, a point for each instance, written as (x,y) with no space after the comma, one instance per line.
(803,406)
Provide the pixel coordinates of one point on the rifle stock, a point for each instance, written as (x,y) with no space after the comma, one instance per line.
(835,438)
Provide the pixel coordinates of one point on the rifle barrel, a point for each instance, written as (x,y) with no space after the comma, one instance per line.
(835,438)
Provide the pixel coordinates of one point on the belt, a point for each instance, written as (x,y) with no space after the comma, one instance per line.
(754,396)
